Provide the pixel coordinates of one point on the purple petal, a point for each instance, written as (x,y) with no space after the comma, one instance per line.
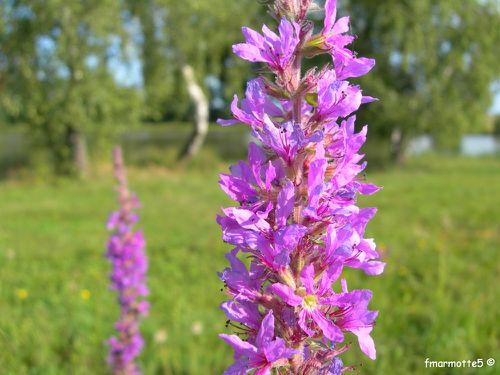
(368,189)
(330,330)
(367,245)
(365,341)
(266,370)
(270,175)
(285,203)
(330,14)
(266,331)
(341,26)
(270,35)
(252,37)
(236,264)
(307,278)
(285,293)
(356,67)
(330,241)
(333,368)
(240,347)
(247,219)
(237,188)
(234,234)
(304,317)
(363,217)
(332,274)
(277,350)
(316,176)
(240,367)
(256,158)
(373,268)
(242,312)
(368,99)
(343,282)
(223,122)
(113,220)
(242,115)
(287,238)
(248,52)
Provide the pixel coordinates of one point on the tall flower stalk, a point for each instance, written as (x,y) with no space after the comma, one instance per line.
(297,221)
(126,252)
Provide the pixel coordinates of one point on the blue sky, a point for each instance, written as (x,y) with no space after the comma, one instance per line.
(496,105)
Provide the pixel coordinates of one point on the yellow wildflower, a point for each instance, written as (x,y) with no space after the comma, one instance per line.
(22,293)
(85,294)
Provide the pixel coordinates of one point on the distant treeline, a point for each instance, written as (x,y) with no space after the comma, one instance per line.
(72,68)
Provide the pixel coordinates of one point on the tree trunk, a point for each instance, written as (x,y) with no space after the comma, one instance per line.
(69,152)
(59,147)
(200,102)
(79,153)
(398,146)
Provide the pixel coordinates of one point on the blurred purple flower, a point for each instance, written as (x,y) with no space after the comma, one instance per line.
(129,265)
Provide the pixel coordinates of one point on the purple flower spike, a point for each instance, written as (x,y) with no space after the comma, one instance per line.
(129,266)
(296,220)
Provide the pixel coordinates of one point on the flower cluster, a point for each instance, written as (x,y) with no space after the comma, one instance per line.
(297,221)
(129,265)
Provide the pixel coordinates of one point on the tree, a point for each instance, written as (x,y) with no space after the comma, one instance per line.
(200,131)
(55,58)
(436,62)
(197,36)
(158,72)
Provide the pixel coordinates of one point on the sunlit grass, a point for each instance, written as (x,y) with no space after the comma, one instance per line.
(438,226)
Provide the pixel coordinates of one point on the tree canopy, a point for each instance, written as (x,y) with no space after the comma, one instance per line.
(198,33)
(55,59)
(436,63)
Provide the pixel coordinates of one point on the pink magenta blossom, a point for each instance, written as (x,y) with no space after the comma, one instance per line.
(263,353)
(276,50)
(297,225)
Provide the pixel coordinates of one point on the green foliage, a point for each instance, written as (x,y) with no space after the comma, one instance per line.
(55,57)
(146,145)
(199,33)
(496,125)
(436,63)
(438,296)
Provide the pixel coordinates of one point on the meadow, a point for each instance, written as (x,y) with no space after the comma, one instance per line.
(438,227)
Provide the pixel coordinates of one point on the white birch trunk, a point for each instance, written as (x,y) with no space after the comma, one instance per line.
(201,115)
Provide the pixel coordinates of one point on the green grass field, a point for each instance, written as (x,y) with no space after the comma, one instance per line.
(438,226)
